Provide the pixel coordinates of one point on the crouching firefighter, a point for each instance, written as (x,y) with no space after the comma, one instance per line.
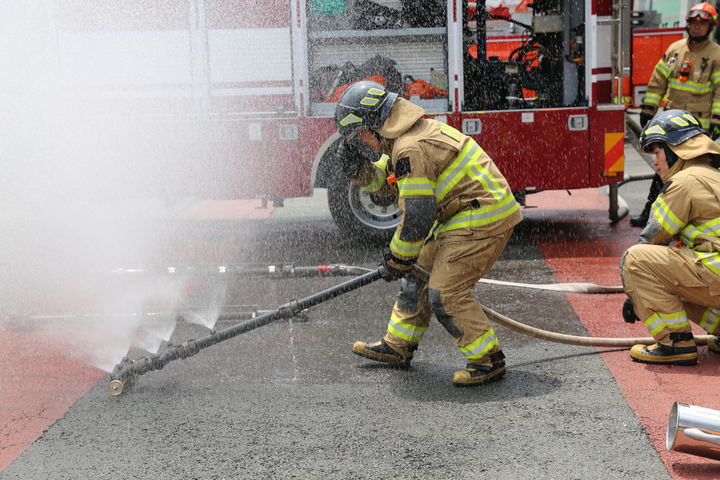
(458,213)
(672,276)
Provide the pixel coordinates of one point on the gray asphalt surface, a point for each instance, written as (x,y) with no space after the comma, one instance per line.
(289,400)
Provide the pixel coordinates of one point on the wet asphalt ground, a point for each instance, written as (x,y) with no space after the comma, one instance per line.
(289,400)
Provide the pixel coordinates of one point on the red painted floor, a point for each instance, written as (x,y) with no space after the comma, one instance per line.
(650,389)
(37,386)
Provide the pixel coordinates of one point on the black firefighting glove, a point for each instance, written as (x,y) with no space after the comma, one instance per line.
(393,268)
(714,130)
(628,311)
(348,158)
(645,118)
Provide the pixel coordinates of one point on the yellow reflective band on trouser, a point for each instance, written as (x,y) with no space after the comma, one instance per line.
(663,68)
(667,219)
(481,216)
(672,321)
(457,169)
(416,187)
(405,249)
(407,332)
(710,321)
(481,346)
(652,99)
(690,232)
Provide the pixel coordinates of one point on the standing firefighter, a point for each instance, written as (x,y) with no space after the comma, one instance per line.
(457,216)
(670,285)
(689,76)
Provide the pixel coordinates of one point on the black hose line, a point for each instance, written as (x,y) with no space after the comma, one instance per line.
(128,369)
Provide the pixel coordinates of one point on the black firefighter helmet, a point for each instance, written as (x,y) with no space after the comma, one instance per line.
(365,104)
(671,127)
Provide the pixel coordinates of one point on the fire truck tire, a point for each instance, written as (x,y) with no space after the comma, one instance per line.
(362,215)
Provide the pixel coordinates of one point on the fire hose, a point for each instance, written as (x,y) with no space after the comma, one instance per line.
(127,370)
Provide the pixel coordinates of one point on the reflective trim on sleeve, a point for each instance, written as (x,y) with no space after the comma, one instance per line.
(672,321)
(481,346)
(652,99)
(663,68)
(716,108)
(405,249)
(715,78)
(416,187)
(666,218)
(710,321)
(406,331)
(690,232)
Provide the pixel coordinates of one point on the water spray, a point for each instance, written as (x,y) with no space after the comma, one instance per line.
(124,372)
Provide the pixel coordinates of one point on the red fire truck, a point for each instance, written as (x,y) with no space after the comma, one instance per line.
(235,98)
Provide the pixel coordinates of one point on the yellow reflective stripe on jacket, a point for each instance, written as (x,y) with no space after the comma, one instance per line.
(415,187)
(652,99)
(481,346)
(716,107)
(710,320)
(663,68)
(405,249)
(693,87)
(673,321)
(456,171)
(379,175)
(690,232)
(669,221)
(400,329)
(711,260)
(715,78)
(481,216)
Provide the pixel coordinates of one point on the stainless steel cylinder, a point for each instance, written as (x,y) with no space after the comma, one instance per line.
(694,430)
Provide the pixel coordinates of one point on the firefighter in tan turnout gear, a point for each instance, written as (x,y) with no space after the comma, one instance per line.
(458,213)
(688,76)
(672,276)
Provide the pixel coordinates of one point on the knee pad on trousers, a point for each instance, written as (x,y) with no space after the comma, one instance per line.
(410,289)
(446,320)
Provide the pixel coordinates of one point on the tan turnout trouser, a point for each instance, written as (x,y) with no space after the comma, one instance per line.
(456,261)
(669,288)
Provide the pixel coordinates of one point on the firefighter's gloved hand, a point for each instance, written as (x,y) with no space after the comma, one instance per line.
(393,268)
(349,160)
(645,118)
(628,311)
(714,131)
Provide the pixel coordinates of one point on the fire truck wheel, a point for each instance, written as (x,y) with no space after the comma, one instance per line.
(362,215)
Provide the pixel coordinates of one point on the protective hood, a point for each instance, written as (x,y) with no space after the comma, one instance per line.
(699,147)
(403,115)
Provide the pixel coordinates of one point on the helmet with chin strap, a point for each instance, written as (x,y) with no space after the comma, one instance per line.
(671,127)
(365,104)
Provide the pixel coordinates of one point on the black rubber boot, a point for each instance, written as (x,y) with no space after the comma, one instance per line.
(660,354)
(642,219)
(382,352)
(479,374)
